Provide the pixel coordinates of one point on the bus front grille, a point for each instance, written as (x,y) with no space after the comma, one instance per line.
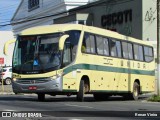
(33,81)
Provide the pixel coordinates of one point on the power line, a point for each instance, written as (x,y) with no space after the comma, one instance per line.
(56,14)
(60,13)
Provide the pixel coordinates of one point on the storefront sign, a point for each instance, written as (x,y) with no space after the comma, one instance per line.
(116,18)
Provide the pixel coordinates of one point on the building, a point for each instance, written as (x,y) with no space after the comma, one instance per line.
(136,18)
(4,37)
(32,13)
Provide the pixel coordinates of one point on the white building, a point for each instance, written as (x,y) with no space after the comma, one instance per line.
(4,37)
(36,9)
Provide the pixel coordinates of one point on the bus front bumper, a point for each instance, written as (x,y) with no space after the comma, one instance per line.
(45,85)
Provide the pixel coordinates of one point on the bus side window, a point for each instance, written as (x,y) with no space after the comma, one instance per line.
(106,46)
(130,51)
(67,55)
(73,39)
(100,45)
(138,52)
(115,47)
(127,50)
(119,49)
(148,54)
(88,45)
(136,56)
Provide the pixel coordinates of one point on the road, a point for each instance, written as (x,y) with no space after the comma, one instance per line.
(63,106)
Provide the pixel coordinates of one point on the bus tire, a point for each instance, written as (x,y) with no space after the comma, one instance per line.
(136,91)
(80,94)
(41,96)
(134,95)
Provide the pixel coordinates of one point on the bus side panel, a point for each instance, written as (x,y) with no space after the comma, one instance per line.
(144,73)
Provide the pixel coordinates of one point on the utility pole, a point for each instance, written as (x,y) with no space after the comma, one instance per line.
(158,48)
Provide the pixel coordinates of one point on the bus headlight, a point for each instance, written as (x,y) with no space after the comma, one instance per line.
(56,76)
(14,79)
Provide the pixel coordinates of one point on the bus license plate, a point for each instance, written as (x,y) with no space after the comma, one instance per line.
(32,88)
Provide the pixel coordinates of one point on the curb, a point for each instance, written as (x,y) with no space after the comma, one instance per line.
(7,93)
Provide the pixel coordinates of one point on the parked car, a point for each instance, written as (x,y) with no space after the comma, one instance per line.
(6,74)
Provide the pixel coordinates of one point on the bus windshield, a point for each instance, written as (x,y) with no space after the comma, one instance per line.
(36,54)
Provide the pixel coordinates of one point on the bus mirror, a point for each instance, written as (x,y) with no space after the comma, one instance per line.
(61,41)
(5,49)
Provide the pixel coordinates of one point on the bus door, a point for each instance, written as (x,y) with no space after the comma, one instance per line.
(88,49)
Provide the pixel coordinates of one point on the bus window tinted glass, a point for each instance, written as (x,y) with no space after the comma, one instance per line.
(92,42)
(127,50)
(106,47)
(118,48)
(130,51)
(148,54)
(115,47)
(88,44)
(138,52)
(140,48)
(102,45)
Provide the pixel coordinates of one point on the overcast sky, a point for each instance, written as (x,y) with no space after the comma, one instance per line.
(7,9)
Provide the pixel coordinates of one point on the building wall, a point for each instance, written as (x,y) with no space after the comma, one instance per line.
(4,37)
(108,8)
(149,20)
(46,7)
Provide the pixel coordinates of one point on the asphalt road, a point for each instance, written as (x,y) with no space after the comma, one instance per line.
(62,107)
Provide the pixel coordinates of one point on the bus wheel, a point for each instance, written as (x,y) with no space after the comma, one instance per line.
(41,96)
(80,94)
(136,91)
(134,95)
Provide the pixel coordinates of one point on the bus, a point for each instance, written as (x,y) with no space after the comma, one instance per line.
(72,59)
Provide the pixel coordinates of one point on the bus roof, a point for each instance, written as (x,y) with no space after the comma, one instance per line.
(47,29)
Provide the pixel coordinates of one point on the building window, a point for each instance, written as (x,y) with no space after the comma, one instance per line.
(33,4)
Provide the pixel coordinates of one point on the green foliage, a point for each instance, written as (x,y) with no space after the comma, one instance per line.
(154,98)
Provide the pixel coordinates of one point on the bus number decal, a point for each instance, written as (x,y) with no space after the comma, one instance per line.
(108,61)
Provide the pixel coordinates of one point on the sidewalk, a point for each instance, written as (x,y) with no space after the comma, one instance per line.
(6,89)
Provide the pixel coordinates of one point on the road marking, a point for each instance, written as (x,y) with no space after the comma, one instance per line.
(8,110)
(78,106)
(76,119)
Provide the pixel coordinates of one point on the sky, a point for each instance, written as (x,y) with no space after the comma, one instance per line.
(7,10)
